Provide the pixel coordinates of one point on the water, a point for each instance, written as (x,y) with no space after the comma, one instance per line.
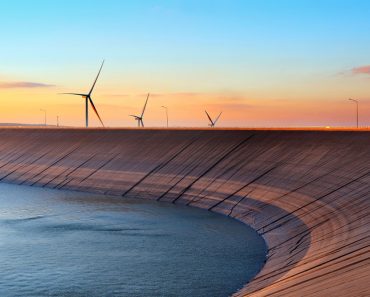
(59,243)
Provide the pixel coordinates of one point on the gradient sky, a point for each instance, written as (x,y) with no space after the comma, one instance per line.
(263,62)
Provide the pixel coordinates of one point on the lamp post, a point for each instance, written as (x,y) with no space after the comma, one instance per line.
(165,107)
(355,101)
(44,115)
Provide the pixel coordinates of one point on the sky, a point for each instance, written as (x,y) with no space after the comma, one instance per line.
(264,63)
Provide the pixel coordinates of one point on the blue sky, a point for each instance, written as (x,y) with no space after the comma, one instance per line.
(262,48)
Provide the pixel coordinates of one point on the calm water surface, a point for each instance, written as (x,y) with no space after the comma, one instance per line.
(59,243)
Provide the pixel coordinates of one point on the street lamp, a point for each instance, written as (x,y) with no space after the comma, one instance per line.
(44,115)
(355,101)
(165,107)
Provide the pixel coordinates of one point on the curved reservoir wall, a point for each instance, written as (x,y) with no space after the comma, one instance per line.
(306,192)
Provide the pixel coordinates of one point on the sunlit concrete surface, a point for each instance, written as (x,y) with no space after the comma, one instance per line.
(306,192)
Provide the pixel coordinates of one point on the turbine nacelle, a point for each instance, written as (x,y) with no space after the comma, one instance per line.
(139,119)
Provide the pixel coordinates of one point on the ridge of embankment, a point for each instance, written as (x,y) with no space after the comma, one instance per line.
(306,192)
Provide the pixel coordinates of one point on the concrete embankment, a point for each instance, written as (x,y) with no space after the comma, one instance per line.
(306,192)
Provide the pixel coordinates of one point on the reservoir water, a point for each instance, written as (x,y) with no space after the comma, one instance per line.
(60,243)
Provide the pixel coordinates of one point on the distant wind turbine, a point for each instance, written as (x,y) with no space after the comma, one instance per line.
(88,98)
(212,123)
(139,119)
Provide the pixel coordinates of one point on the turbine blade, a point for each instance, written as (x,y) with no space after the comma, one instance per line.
(218,117)
(209,118)
(96,112)
(78,94)
(142,123)
(92,88)
(145,105)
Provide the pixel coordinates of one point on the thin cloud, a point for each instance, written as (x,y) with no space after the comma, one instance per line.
(116,95)
(178,94)
(23,85)
(98,105)
(186,94)
(230,106)
(361,70)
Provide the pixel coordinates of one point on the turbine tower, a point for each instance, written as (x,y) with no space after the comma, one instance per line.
(139,119)
(212,123)
(88,99)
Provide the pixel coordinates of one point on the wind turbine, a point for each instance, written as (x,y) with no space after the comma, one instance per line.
(88,99)
(139,119)
(213,123)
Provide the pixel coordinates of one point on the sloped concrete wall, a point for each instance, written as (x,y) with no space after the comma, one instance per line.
(306,192)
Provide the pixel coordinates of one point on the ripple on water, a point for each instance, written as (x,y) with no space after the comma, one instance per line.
(57,243)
